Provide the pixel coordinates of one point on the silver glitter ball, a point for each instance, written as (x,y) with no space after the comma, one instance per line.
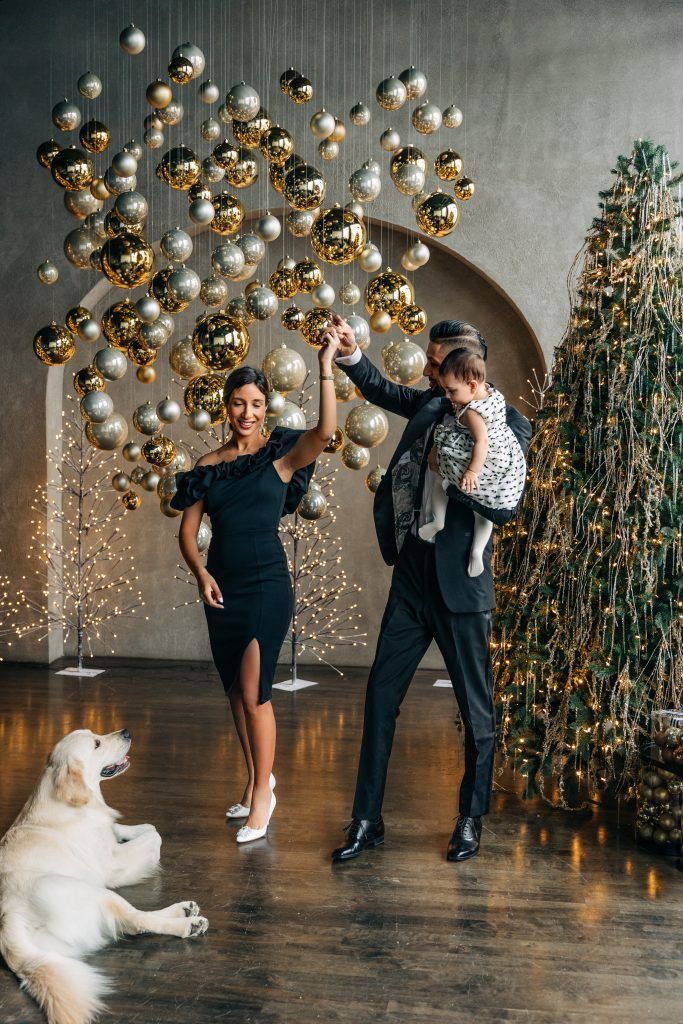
(452,116)
(300,222)
(47,272)
(184,284)
(391,93)
(359,114)
(210,129)
(322,124)
(153,138)
(370,259)
(253,248)
(203,536)
(214,291)
(89,85)
(172,113)
(361,330)
(354,456)
(135,148)
(276,403)
(95,223)
(153,335)
(211,172)
(349,293)
(323,295)
(262,303)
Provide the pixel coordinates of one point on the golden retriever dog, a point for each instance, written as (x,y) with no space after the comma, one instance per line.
(59,863)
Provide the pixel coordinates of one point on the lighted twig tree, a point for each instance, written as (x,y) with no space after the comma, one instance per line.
(590,628)
(83,578)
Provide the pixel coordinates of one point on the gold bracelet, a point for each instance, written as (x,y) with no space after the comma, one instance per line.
(325,377)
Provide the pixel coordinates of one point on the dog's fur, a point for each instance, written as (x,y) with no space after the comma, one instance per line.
(59,862)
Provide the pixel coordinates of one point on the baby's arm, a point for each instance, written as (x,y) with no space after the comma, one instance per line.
(477,428)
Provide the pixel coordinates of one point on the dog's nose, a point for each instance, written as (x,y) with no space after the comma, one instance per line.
(125,734)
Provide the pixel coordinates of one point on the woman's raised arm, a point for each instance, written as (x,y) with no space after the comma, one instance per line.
(311,443)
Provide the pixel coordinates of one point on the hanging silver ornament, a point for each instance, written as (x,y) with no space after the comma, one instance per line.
(426,118)
(313,505)
(370,258)
(415,82)
(349,293)
(89,85)
(199,419)
(136,474)
(328,149)
(182,359)
(148,309)
(243,102)
(285,369)
(291,417)
(372,165)
(96,406)
(145,419)
(359,115)
(172,113)
(168,410)
(131,451)
(356,208)
(373,479)
(365,185)
(361,330)
(322,124)
(214,291)
(224,114)
(150,480)
(95,223)
(403,361)
(300,222)
(354,456)
(202,211)
(78,246)
(276,403)
(208,92)
(228,260)
(418,253)
(203,536)
(211,172)
(253,247)
(262,303)
(47,272)
(124,164)
(120,482)
(153,121)
(115,185)
(168,322)
(131,207)
(210,129)
(176,245)
(153,335)
(66,116)
(81,203)
(108,435)
(409,179)
(452,116)
(111,362)
(193,55)
(323,294)
(391,93)
(390,140)
(135,148)
(89,330)
(286,263)
(268,227)
(153,138)
(132,40)
(184,284)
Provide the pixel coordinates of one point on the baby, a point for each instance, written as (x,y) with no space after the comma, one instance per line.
(480,454)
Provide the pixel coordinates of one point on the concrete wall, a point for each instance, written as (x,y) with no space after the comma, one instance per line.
(552,91)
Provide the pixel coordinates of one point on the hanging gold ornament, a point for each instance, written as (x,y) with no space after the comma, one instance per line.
(127,260)
(54,345)
(159,94)
(313,323)
(388,292)
(337,236)
(180,70)
(276,176)
(160,290)
(366,425)
(276,144)
(464,189)
(304,187)
(448,165)
(438,214)
(206,392)
(307,275)
(120,324)
(354,456)
(245,170)
(300,89)
(180,168)
(75,317)
(403,361)
(94,136)
(130,501)
(225,154)
(146,374)
(220,342)
(292,318)
(237,309)
(159,451)
(286,79)
(47,151)
(141,354)
(283,283)
(373,479)
(98,189)
(72,169)
(411,318)
(338,134)
(336,442)
(88,379)
(407,156)
(380,321)
(113,225)
(250,133)
(343,385)
(313,505)
(285,369)
(229,213)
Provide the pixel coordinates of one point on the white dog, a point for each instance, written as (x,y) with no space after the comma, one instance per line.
(58,864)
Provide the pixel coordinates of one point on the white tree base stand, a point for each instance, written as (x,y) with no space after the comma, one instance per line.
(74,670)
(290,685)
(443,682)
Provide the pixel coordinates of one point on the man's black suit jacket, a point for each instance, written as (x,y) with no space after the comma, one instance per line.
(423,409)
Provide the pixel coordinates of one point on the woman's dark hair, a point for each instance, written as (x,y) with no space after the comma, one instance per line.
(464,365)
(245,375)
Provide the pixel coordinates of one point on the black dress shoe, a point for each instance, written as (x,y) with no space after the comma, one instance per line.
(359,835)
(465,839)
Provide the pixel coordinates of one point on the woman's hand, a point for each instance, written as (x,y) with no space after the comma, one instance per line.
(330,343)
(469,482)
(347,339)
(209,591)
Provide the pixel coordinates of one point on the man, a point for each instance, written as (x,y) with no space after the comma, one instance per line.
(432,597)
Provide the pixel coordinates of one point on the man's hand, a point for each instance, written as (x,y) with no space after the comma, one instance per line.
(469,482)
(347,340)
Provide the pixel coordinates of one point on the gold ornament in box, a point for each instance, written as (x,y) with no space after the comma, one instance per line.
(159,451)
(388,292)
(54,345)
(313,323)
(127,260)
(206,392)
(180,168)
(337,236)
(220,342)
(120,324)
(229,213)
(307,275)
(292,318)
(88,379)
(438,214)
(448,165)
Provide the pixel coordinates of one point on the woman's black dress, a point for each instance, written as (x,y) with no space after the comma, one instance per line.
(245,499)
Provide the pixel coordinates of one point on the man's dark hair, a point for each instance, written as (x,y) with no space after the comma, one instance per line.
(458,334)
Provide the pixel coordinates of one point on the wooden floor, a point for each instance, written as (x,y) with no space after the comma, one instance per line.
(559,919)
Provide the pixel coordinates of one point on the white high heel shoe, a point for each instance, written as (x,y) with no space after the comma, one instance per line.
(241,810)
(248,835)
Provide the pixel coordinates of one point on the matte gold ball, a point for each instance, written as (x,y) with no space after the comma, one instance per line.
(146,374)
(229,214)
(206,392)
(54,345)
(307,275)
(380,321)
(313,323)
(72,169)
(336,442)
(94,136)
(448,165)
(411,318)
(88,379)
(304,187)
(99,189)
(337,236)
(339,132)
(159,94)
(120,324)
(388,292)
(159,451)
(220,342)
(464,189)
(438,214)
(180,168)
(292,318)
(127,260)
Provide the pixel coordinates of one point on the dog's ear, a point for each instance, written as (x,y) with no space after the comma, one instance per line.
(70,785)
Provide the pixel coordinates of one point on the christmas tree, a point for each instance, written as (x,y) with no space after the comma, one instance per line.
(590,625)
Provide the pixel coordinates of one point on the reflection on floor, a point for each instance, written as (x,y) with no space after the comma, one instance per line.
(560,919)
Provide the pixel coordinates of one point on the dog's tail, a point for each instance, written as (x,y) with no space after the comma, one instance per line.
(68,991)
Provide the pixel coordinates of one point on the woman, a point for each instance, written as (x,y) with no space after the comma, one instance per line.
(246,486)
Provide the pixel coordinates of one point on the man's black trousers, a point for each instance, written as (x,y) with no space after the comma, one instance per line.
(414,616)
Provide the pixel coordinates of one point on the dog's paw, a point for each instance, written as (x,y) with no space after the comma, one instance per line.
(196,926)
(190,908)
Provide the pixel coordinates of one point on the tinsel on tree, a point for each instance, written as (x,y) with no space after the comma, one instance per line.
(83,579)
(589,634)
